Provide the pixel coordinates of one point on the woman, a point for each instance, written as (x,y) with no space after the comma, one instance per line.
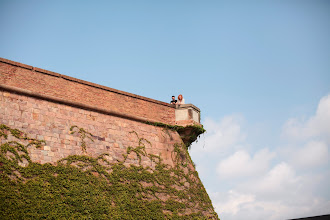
(180,100)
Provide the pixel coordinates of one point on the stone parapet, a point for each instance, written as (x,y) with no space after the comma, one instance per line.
(187,114)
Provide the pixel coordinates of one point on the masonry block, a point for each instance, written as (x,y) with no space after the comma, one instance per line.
(75,117)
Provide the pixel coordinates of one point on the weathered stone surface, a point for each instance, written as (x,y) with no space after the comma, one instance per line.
(187,112)
(60,86)
(55,126)
(69,130)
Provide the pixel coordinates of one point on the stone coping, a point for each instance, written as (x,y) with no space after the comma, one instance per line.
(186,106)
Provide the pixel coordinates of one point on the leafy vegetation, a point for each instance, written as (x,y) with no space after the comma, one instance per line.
(188,133)
(84,187)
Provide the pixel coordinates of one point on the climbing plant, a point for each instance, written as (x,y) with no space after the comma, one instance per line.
(84,187)
(189,133)
(83,135)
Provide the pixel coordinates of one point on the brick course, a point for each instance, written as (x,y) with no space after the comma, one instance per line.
(52,122)
(46,119)
(45,105)
(52,84)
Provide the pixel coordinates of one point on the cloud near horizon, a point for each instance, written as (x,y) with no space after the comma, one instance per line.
(241,164)
(281,182)
(317,126)
(223,134)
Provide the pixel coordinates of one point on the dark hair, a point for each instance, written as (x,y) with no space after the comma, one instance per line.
(173,96)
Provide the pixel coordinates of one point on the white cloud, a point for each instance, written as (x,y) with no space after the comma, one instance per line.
(279,194)
(309,139)
(290,181)
(296,129)
(278,183)
(278,178)
(223,134)
(248,207)
(240,164)
(314,153)
(234,202)
(222,137)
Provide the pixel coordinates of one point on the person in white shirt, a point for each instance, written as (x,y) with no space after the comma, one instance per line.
(180,100)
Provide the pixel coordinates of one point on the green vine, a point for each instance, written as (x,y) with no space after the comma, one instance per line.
(5,130)
(84,187)
(189,133)
(83,135)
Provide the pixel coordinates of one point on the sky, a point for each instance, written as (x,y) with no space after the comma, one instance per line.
(258,70)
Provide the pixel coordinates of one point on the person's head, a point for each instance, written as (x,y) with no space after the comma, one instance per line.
(180,97)
(173,97)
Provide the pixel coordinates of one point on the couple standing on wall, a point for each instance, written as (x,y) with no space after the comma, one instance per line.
(177,102)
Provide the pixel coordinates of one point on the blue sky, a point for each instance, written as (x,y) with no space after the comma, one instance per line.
(258,70)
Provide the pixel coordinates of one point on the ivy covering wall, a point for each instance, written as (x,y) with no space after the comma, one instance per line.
(84,187)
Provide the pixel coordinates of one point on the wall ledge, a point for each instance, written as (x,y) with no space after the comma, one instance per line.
(73,104)
(54,74)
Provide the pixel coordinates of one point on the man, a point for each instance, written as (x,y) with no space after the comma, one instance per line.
(173,100)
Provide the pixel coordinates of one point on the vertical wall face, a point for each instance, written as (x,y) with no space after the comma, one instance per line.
(51,122)
(79,118)
(67,88)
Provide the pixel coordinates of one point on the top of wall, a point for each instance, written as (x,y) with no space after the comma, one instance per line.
(61,87)
(43,71)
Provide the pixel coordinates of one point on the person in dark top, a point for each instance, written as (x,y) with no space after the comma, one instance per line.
(173,100)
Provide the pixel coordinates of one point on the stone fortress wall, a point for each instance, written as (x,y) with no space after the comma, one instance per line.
(79,119)
(46,105)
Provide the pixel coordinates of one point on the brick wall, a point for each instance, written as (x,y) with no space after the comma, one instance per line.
(44,117)
(52,122)
(67,88)
(47,105)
